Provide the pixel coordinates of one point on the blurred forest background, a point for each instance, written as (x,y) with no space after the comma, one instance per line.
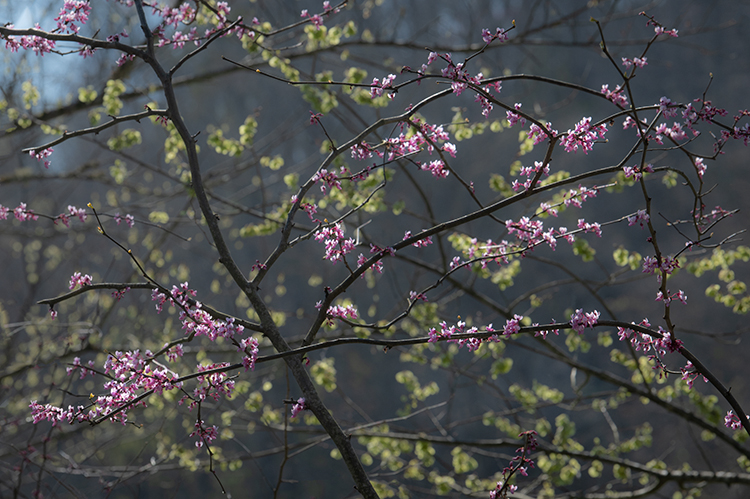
(459,398)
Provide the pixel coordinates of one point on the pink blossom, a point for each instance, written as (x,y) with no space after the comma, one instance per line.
(175,352)
(73,11)
(22,214)
(124,58)
(437,168)
(118,294)
(580,320)
(539,135)
(420,243)
(450,149)
(690,374)
(336,246)
(37,44)
(298,407)
(513,326)
(330,179)
(77,212)
(617,95)
(315,118)
(377,88)
(640,217)
(514,118)
(78,279)
(659,30)
(636,61)
(667,107)
(488,36)
(583,135)
(205,434)
(341,312)
(250,344)
(700,166)
(590,227)
(40,155)
(731,420)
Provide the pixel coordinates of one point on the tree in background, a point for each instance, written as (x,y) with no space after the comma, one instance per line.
(270,294)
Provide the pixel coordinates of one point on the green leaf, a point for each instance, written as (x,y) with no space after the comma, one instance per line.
(87,94)
(158,217)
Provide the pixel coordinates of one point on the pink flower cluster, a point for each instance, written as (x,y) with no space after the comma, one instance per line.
(700,166)
(340,312)
(130,374)
(205,434)
(731,420)
(376,267)
(617,95)
(659,30)
(427,137)
(37,44)
(640,217)
(211,385)
(330,179)
(579,320)
(21,212)
(185,14)
(317,19)
(585,226)
(635,172)
(583,135)
(690,374)
(638,62)
(436,167)
(519,464)
(418,244)
(512,326)
(129,219)
(78,279)
(737,132)
(460,77)
(335,243)
(514,118)
(377,88)
(77,365)
(73,11)
(499,34)
(576,197)
(530,172)
(447,332)
(667,265)
(680,295)
(532,233)
(539,135)
(658,27)
(660,345)
(72,212)
(249,346)
(667,108)
(195,320)
(40,155)
(49,412)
